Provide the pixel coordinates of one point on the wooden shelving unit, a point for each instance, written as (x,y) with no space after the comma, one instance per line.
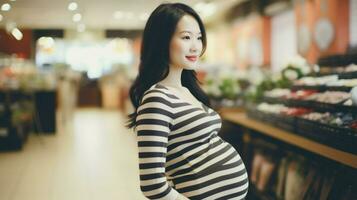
(241,118)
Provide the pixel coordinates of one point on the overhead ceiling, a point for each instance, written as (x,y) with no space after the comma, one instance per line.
(96,14)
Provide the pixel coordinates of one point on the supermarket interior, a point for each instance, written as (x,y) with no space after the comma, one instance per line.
(281,74)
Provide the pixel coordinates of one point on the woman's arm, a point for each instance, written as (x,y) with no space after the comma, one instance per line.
(153,127)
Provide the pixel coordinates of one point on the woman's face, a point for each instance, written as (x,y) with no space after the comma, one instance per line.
(186,43)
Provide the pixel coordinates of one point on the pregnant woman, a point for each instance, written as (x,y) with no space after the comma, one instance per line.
(181,155)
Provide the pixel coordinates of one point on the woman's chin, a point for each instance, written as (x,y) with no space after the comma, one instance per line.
(190,67)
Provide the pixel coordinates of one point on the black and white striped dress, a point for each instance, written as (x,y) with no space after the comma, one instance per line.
(180,151)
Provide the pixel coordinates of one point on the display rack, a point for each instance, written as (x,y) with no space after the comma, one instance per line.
(288,137)
(342,75)
(339,137)
(337,60)
(317,106)
(13,136)
(321,88)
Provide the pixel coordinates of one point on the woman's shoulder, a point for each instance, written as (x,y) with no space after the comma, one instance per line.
(157,96)
(159,92)
(156,100)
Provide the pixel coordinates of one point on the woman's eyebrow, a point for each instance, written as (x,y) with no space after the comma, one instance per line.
(189,32)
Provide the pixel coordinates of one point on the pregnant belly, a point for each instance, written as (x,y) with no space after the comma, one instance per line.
(215,156)
(221,174)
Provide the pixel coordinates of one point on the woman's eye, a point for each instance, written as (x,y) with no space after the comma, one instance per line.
(199,38)
(186,37)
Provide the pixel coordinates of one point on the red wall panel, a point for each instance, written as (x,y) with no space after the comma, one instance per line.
(9,45)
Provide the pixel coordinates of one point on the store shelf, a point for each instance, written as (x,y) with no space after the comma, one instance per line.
(341,138)
(342,75)
(291,138)
(315,105)
(337,60)
(230,109)
(321,88)
(14,134)
(347,75)
(259,195)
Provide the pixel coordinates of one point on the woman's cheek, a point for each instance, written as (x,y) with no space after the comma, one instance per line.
(178,52)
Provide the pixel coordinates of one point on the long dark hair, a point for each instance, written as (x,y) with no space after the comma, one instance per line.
(154,58)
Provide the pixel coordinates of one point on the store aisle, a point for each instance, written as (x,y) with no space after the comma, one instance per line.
(94,157)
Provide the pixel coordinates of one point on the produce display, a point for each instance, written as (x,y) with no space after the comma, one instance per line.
(319,106)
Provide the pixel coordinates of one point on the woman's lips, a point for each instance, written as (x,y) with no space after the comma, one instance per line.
(191,58)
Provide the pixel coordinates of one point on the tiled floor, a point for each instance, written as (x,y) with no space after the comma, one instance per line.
(92,158)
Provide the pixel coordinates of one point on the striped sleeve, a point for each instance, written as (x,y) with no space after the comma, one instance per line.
(152,128)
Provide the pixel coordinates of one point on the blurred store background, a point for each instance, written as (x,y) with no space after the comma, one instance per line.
(282,74)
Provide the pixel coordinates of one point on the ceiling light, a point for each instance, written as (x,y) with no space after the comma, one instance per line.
(5,7)
(118,15)
(77,17)
(72,6)
(81,28)
(17,33)
(12,0)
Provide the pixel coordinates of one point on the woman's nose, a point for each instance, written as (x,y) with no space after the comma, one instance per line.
(194,46)
(192,49)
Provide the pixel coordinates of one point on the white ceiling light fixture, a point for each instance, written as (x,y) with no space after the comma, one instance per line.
(6,7)
(12,29)
(77,17)
(72,6)
(16,33)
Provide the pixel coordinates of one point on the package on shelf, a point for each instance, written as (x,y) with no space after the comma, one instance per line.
(301,94)
(323,80)
(271,108)
(333,97)
(343,82)
(351,68)
(277,93)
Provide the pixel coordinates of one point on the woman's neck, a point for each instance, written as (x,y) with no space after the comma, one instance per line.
(173,79)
